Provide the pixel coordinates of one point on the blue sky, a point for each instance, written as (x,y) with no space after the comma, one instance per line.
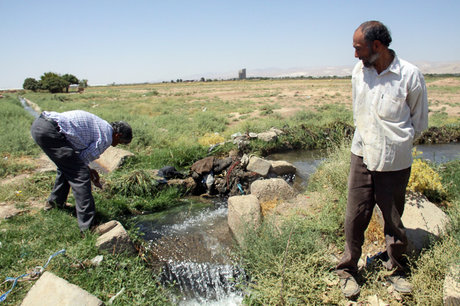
(150,41)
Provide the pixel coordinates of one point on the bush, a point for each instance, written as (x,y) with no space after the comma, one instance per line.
(210,139)
(426,180)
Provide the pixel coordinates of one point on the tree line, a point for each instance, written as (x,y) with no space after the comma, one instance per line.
(54,82)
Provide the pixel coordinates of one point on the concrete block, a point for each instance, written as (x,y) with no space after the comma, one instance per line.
(52,290)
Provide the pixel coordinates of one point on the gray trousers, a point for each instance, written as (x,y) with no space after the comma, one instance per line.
(365,189)
(71,170)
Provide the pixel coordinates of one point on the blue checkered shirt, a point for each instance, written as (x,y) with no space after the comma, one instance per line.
(88,134)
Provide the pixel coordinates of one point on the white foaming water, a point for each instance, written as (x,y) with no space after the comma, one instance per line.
(204,217)
(194,249)
(231,300)
(205,283)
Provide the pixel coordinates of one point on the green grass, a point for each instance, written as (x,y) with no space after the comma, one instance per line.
(303,273)
(15,125)
(29,240)
(441,118)
(450,177)
(168,120)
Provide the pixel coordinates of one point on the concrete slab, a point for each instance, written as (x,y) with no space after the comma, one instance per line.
(52,290)
(114,238)
(112,158)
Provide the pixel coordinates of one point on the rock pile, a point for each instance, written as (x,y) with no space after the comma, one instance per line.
(233,175)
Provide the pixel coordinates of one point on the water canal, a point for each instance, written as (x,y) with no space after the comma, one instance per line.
(192,243)
(194,246)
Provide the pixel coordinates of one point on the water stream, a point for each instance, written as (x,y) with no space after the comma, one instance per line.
(27,107)
(440,153)
(193,245)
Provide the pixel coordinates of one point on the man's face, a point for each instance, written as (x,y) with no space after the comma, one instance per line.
(116,140)
(363,50)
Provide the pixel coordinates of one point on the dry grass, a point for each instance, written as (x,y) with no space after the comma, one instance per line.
(268,205)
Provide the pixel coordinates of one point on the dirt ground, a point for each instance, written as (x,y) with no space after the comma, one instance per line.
(287,97)
(444,95)
(9,209)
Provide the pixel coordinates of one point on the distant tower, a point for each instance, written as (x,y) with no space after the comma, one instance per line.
(242,74)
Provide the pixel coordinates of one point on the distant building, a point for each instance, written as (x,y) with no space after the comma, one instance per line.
(76,88)
(242,74)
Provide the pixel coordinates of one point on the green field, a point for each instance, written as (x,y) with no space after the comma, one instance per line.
(174,124)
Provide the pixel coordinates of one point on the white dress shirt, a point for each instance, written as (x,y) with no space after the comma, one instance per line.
(389,110)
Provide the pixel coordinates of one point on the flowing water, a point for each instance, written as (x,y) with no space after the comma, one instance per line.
(27,107)
(192,242)
(193,245)
(440,153)
(306,162)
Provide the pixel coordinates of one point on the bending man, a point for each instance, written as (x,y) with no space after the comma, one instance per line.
(72,140)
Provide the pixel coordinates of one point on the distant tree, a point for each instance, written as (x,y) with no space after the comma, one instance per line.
(30,84)
(53,82)
(70,79)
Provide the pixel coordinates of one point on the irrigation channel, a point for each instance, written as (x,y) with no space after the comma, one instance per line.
(193,245)
(28,108)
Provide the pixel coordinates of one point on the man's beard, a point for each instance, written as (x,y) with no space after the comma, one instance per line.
(371,59)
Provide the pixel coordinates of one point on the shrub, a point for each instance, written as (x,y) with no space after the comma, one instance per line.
(450,173)
(210,139)
(425,180)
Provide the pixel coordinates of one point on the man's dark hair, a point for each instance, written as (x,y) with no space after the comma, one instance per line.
(375,30)
(124,129)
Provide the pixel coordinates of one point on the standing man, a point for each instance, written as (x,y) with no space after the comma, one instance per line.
(72,140)
(390,109)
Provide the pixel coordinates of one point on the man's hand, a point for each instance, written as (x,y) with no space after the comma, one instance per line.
(95,178)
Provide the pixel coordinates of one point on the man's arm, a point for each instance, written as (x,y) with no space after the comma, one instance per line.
(417,99)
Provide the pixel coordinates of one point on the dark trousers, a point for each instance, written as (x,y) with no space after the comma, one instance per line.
(365,189)
(71,170)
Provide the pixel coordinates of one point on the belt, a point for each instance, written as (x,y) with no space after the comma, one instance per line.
(54,123)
